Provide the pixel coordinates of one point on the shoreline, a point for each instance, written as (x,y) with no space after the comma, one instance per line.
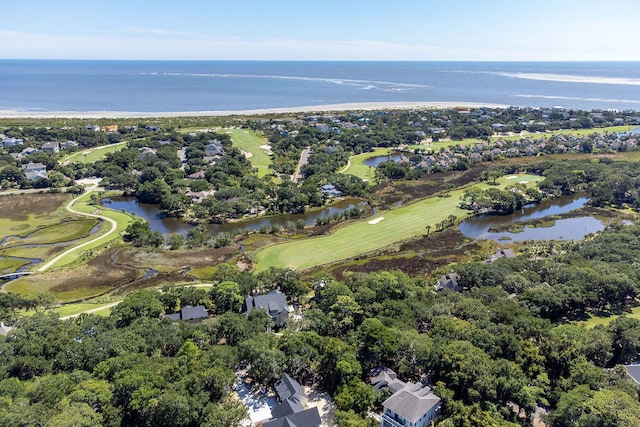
(355,106)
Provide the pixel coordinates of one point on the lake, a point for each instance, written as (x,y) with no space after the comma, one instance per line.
(375,161)
(159,221)
(563,229)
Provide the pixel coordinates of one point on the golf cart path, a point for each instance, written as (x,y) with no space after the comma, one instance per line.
(114,226)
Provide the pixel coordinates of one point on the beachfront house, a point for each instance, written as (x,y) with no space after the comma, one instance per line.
(110,128)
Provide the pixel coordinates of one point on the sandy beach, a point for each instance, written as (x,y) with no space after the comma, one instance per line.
(362,106)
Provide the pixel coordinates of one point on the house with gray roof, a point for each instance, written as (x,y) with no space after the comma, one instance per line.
(189,313)
(290,412)
(274,303)
(633,371)
(214,148)
(415,405)
(51,147)
(448,281)
(502,253)
(385,378)
(35,171)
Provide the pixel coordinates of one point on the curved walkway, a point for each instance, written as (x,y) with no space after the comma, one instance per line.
(91,310)
(346,168)
(114,226)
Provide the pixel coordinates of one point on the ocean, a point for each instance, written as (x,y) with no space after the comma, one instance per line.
(188,86)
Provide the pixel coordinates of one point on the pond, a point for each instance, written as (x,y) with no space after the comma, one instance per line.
(375,161)
(159,221)
(563,229)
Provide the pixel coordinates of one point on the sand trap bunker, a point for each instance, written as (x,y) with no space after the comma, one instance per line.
(267,148)
(523,182)
(511,177)
(375,221)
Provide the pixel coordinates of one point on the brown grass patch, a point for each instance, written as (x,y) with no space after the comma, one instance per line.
(419,257)
(19,207)
(96,277)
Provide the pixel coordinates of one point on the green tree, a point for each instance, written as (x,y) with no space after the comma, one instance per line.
(226,296)
(229,412)
(355,396)
(136,305)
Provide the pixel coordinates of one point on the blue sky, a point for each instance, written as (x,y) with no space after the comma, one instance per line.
(492,30)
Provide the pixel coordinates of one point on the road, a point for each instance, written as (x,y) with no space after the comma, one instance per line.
(114,226)
(92,310)
(304,158)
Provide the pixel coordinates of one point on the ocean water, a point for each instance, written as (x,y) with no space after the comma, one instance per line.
(175,86)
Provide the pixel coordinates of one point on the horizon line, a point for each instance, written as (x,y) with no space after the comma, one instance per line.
(323,60)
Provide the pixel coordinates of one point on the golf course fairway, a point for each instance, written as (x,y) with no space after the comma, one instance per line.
(372,233)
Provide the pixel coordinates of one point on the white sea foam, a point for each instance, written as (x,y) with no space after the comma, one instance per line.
(364,84)
(572,78)
(573,98)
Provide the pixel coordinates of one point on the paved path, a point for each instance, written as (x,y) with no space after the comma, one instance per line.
(92,310)
(304,158)
(344,169)
(114,226)
(67,160)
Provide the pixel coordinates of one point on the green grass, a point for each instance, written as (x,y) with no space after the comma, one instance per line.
(357,168)
(436,146)
(250,142)
(74,309)
(203,273)
(21,215)
(360,237)
(82,205)
(594,321)
(67,231)
(103,312)
(41,252)
(92,155)
(10,265)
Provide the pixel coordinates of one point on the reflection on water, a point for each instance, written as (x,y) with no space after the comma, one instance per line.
(563,229)
(375,161)
(159,221)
